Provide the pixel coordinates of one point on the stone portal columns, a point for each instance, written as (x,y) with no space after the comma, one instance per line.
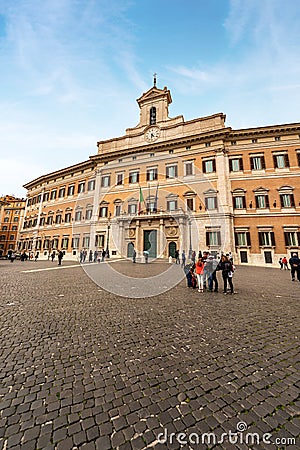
(138,238)
(161,240)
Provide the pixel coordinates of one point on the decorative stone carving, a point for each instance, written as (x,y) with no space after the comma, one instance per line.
(131,232)
(171,231)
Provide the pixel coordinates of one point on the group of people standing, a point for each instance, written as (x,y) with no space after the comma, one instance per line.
(201,273)
(96,256)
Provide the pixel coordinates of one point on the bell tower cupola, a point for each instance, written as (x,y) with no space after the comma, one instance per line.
(154,105)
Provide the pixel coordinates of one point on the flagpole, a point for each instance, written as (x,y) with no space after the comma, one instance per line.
(156,198)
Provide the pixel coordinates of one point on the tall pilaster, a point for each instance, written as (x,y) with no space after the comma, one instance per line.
(225,210)
(95,213)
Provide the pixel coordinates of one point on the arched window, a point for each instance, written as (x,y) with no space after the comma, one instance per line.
(152,115)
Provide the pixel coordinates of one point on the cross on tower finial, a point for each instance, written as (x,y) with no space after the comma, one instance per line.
(154,79)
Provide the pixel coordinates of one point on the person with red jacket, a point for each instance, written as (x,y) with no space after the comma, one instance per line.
(285,263)
(199,272)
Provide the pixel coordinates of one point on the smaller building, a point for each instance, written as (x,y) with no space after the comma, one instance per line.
(11,214)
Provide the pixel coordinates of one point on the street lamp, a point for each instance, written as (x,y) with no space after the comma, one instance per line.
(107,240)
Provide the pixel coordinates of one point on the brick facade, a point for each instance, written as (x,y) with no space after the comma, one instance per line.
(204,185)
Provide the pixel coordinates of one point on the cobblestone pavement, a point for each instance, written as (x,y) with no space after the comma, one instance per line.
(81,368)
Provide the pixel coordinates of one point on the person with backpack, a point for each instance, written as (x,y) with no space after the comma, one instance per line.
(227,271)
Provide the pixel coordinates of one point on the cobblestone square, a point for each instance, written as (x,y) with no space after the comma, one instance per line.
(82,368)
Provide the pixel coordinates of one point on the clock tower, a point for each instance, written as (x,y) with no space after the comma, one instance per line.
(154,106)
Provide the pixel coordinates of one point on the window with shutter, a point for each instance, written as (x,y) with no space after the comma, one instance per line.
(272,235)
(248,237)
(235,164)
(188,168)
(134,177)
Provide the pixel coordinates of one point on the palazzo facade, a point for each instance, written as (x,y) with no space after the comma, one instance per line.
(172,184)
(11,214)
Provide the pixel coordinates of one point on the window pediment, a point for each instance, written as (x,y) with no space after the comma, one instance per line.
(239,191)
(286,189)
(189,194)
(210,192)
(172,196)
(261,190)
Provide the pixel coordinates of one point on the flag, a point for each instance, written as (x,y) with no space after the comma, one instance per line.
(141,199)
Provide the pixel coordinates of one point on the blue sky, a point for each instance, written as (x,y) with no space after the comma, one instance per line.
(71,71)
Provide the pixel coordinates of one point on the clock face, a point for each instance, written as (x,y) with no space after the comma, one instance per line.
(152,134)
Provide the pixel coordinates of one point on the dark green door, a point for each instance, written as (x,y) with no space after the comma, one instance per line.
(130,248)
(150,242)
(172,249)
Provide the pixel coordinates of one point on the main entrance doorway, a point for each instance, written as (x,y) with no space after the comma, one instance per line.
(130,248)
(172,249)
(150,242)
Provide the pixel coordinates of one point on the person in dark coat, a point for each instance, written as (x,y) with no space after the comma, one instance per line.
(60,257)
(295,267)
(227,271)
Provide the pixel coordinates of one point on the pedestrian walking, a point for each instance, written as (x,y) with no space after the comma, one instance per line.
(176,255)
(60,257)
(183,258)
(103,255)
(295,267)
(36,256)
(280,263)
(91,256)
(52,256)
